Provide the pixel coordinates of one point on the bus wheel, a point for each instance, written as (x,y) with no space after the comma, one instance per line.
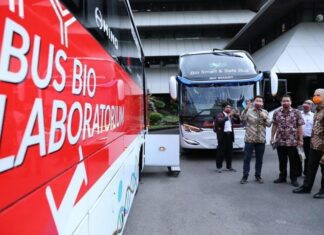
(139,169)
(140,164)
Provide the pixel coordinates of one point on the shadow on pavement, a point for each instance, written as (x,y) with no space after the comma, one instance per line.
(207,155)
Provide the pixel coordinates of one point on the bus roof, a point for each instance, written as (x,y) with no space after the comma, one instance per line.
(211,51)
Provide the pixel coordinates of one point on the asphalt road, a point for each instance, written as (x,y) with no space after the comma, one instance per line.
(202,201)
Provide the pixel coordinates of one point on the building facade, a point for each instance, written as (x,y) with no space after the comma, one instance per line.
(287,37)
(169,28)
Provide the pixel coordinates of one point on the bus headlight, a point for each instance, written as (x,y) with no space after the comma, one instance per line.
(189,128)
(191,142)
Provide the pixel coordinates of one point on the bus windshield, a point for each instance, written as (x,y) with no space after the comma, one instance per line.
(217,66)
(204,102)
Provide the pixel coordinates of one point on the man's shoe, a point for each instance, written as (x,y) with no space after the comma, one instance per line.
(244,180)
(301,190)
(219,170)
(231,169)
(295,183)
(259,180)
(319,195)
(280,180)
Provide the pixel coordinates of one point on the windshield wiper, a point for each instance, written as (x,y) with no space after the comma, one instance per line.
(203,110)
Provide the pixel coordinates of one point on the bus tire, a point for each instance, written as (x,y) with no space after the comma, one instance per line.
(140,164)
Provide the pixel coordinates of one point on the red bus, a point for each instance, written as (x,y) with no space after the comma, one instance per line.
(72,116)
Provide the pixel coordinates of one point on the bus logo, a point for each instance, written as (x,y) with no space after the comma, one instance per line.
(65,19)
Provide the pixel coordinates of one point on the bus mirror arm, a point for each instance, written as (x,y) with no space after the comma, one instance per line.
(173,87)
(266,74)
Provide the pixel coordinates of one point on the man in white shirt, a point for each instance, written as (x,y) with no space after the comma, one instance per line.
(308,117)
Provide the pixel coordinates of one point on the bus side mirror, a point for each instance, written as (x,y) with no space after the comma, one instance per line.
(274,83)
(273,77)
(173,86)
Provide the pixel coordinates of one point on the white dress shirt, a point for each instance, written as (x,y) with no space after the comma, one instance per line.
(309,121)
(228,124)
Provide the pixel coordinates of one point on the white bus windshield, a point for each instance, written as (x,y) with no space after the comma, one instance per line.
(217,66)
(207,100)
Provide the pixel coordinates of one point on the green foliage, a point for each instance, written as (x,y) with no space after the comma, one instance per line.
(171,119)
(159,104)
(163,112)
(155,118)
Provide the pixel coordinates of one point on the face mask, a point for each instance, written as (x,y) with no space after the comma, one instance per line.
(317,100)
(227,111)
(286,105)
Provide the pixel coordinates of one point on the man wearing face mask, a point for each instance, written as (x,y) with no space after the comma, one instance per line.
(316,156)
(308,117)
(288,129)
(225,136)
(256,120)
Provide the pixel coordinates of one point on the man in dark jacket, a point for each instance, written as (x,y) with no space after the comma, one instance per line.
(223,126)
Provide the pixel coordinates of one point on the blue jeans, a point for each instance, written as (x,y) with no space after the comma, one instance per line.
(259,151)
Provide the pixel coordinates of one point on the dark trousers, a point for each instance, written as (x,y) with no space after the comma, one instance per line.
(259,151)
(306,150)
(285,152)
(313,163)
(225,151)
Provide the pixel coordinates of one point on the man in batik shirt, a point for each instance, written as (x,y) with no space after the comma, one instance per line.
(256,120)
(316,156)
(288,129)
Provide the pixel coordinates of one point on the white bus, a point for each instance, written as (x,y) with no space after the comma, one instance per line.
(205,81)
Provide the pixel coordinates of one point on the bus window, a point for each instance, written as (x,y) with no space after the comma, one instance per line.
(110,23)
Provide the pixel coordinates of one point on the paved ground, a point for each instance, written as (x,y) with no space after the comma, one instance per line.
(201,201)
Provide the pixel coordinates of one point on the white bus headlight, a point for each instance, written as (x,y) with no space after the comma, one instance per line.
(190,128)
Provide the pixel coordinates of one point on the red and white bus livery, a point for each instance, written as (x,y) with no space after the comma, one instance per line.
(72,116)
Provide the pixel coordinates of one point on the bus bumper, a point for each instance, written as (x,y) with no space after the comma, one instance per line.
(206,139)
